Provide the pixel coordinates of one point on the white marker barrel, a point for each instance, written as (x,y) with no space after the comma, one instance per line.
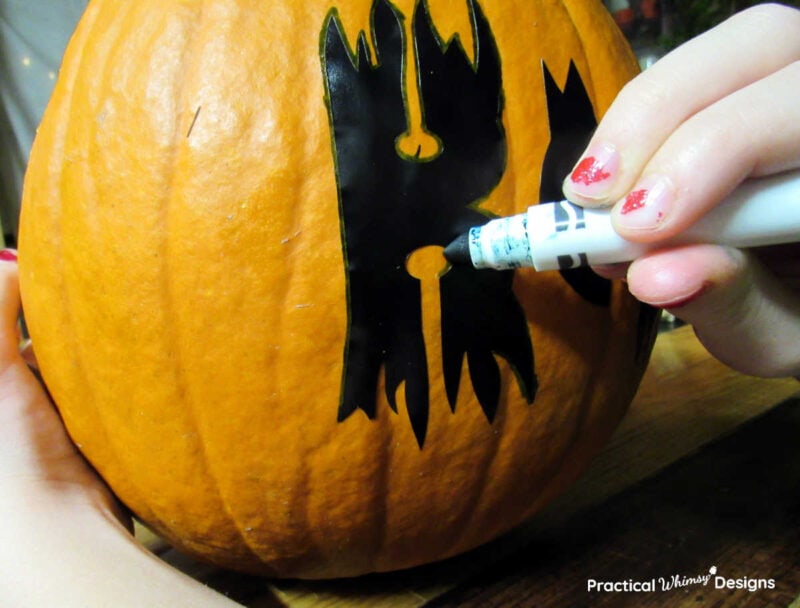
(558,236)
(585,237)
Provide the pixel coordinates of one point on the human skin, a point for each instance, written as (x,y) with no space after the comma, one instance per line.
(681,136)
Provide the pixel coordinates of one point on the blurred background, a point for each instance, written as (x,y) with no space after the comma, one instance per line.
(656,26)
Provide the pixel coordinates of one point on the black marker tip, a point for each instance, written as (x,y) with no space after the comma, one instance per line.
(457,252)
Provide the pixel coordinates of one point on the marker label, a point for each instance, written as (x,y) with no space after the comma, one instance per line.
(569,217)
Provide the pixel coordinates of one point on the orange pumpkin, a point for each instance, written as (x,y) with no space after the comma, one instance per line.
(231,266)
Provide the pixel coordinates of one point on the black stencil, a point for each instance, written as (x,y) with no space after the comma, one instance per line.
(572,123)
(392,204)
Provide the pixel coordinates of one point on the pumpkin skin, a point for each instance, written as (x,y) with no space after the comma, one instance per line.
(184,277)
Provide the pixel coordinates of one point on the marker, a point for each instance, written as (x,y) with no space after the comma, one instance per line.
(560,236)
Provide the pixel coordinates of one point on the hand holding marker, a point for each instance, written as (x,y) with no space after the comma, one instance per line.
(559,236)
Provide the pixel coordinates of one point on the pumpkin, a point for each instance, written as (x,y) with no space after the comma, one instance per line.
(231,265)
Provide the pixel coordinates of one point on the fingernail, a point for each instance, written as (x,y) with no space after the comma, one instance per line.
(594,174)
(8,255)
(647,205)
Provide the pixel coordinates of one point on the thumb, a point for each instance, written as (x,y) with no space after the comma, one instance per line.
(9,309)
(740,312)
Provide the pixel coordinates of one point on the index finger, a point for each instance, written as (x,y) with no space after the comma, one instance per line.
(743,50)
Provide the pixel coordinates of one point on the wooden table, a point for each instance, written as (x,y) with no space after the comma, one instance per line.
(704,472)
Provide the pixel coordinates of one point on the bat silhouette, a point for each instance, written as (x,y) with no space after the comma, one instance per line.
(392,204)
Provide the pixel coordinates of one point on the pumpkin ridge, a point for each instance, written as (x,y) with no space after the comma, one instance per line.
(110,458)
(564,471)
(153,511)
(171,334)
(385,478)
(301,493)
(385,473)
(482,473)
(392,463)
(64,98)
(597,64)
(169,290)
(586,79)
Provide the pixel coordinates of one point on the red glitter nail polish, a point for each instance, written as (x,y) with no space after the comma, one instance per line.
(589,171)
(8,255)
(635,200)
